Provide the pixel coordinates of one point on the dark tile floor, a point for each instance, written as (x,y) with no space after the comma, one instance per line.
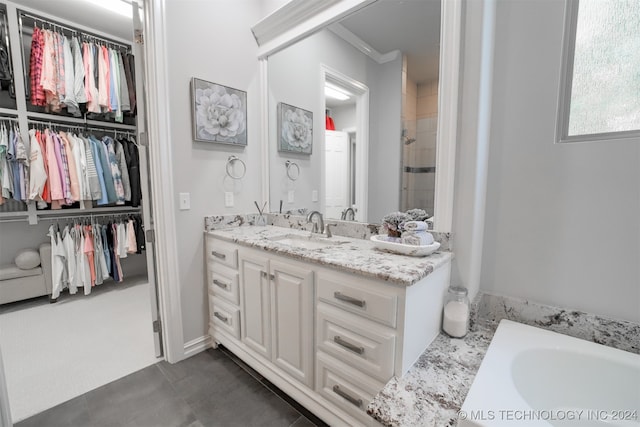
(213,388)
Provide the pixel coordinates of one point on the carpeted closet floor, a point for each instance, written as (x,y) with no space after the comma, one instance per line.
(55,352)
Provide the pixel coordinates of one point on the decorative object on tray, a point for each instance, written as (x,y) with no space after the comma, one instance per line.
(219,113)
(295,129)
(418,214)
(385,243)
(393,223)
(415,233)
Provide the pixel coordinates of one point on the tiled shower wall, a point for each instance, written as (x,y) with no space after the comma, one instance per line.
(419,157)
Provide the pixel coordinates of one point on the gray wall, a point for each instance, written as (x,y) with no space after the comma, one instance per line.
(562,221)
(211,40)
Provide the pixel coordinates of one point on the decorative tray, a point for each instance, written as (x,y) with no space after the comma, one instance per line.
(381,243)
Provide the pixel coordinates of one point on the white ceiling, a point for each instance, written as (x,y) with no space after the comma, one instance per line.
(412,26)
(84,13)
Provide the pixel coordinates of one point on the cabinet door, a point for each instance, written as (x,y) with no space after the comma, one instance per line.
(292,319)
(256,320)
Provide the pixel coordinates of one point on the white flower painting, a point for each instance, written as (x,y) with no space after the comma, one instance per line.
(295,129)
(219,113)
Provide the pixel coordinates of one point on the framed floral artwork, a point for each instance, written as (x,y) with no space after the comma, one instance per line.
(295,129)
(219,113)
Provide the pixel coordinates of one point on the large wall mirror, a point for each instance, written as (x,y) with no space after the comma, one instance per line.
(353,115)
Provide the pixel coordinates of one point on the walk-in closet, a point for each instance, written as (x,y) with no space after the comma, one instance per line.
(78,300)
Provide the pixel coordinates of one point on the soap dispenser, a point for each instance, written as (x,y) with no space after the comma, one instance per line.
(455,318)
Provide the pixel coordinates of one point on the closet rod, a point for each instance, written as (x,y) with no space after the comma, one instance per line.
(70,122)
(87,215)
(53,125)
(73,30)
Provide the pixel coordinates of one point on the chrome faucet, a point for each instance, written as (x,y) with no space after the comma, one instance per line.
(346,212)
(318,227)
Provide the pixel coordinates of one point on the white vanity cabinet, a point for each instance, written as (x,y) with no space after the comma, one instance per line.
(330,339)
(277,315)
(223,286)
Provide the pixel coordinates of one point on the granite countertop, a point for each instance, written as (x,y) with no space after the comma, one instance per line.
(351,255)
(431,393)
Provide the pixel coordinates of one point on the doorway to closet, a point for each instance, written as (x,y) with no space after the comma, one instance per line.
(104,322)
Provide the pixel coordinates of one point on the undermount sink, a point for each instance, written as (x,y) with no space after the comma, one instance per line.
(305,241)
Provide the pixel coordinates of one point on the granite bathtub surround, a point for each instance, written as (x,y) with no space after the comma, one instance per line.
(433,390)
(620,334)
(348,254)
(352,229)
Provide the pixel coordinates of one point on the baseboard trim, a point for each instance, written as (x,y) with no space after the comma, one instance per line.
(197,345)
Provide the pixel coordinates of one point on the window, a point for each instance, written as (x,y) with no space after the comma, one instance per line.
(600,82)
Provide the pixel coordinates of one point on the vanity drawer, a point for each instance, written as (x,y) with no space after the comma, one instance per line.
(355,295)
(225,316)
(359,342)
(223,283)
(222,252)
(345,387)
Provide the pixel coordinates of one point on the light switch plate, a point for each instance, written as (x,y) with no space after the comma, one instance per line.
(228,199)
(290,196)
(314,196)
(185,201)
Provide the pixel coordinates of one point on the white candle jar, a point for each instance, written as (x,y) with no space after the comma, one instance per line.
(455,318)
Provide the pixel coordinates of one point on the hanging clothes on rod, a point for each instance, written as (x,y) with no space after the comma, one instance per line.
(69,167)
(81,73)
(14,162)
(86,251)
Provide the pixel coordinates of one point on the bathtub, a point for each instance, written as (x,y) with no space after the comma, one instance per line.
(533,377)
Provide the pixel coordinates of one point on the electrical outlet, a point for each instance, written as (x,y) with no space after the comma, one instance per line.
(228,199)
(185,201)
(290,196)
(314,196)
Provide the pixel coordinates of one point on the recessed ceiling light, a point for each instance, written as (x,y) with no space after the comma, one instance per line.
(121,7)
(335,92)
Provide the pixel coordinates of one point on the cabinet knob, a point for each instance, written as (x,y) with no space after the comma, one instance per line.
(218,255)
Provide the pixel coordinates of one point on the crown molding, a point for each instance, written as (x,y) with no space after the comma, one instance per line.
(299,18)
(362,46)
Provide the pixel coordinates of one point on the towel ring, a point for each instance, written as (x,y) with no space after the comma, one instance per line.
(293,170)
(230,162)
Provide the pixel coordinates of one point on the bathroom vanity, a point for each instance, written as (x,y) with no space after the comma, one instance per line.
(329,321)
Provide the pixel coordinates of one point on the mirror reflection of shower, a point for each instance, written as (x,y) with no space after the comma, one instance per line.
(419,136)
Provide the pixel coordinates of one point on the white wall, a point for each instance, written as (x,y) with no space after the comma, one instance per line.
(344,117)
(385,148)
(295,79)
(562,221)
(211,40)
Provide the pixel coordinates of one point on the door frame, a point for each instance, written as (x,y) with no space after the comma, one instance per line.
(161,178)
(361,92)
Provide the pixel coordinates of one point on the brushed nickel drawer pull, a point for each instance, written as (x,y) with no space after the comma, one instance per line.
(220,284)
(218,255)
(348,299)
(338,340)
(225,319)
(351,399)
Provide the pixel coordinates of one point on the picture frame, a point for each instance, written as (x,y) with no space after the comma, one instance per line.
(295,129)
(219,113)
